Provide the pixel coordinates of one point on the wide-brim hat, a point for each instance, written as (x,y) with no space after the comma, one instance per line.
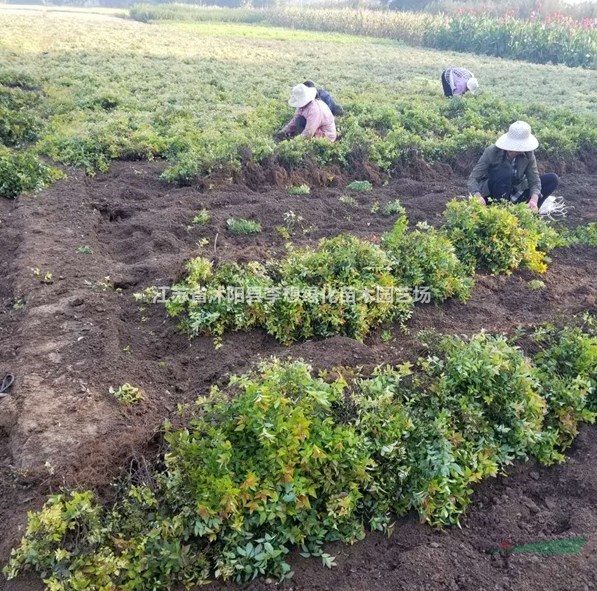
(302,95)
(518,139)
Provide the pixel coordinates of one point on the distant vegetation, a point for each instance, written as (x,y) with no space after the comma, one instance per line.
(555,39)
(519,8)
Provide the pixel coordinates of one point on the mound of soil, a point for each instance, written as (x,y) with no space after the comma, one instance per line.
(71,335)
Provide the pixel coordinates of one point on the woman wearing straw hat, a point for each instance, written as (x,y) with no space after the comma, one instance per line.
(312,119)
(508,170)
(458,81)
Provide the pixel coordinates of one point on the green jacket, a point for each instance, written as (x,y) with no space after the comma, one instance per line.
(527,174)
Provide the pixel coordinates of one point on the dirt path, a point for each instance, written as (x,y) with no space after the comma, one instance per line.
(81,332)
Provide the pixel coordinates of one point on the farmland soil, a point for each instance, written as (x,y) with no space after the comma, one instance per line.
(73,256)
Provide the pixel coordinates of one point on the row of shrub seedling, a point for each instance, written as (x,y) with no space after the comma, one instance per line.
(347,286)
(391,135)
(282,458)
(21,123)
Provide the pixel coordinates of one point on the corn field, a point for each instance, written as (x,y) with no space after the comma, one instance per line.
(558,39)
(403,26)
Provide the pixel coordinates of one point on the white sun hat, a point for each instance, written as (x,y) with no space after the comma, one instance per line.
(302,95)
(518,139)
(472,84)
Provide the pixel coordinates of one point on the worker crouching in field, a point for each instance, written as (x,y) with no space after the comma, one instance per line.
(327,98)
(458,81)
(313,118)
(507,171)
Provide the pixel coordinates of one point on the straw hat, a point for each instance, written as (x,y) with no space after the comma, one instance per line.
(518,139)
(302,95)
(472,84)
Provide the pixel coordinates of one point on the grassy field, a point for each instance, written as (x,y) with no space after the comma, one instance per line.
(206,89)
(277,57)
